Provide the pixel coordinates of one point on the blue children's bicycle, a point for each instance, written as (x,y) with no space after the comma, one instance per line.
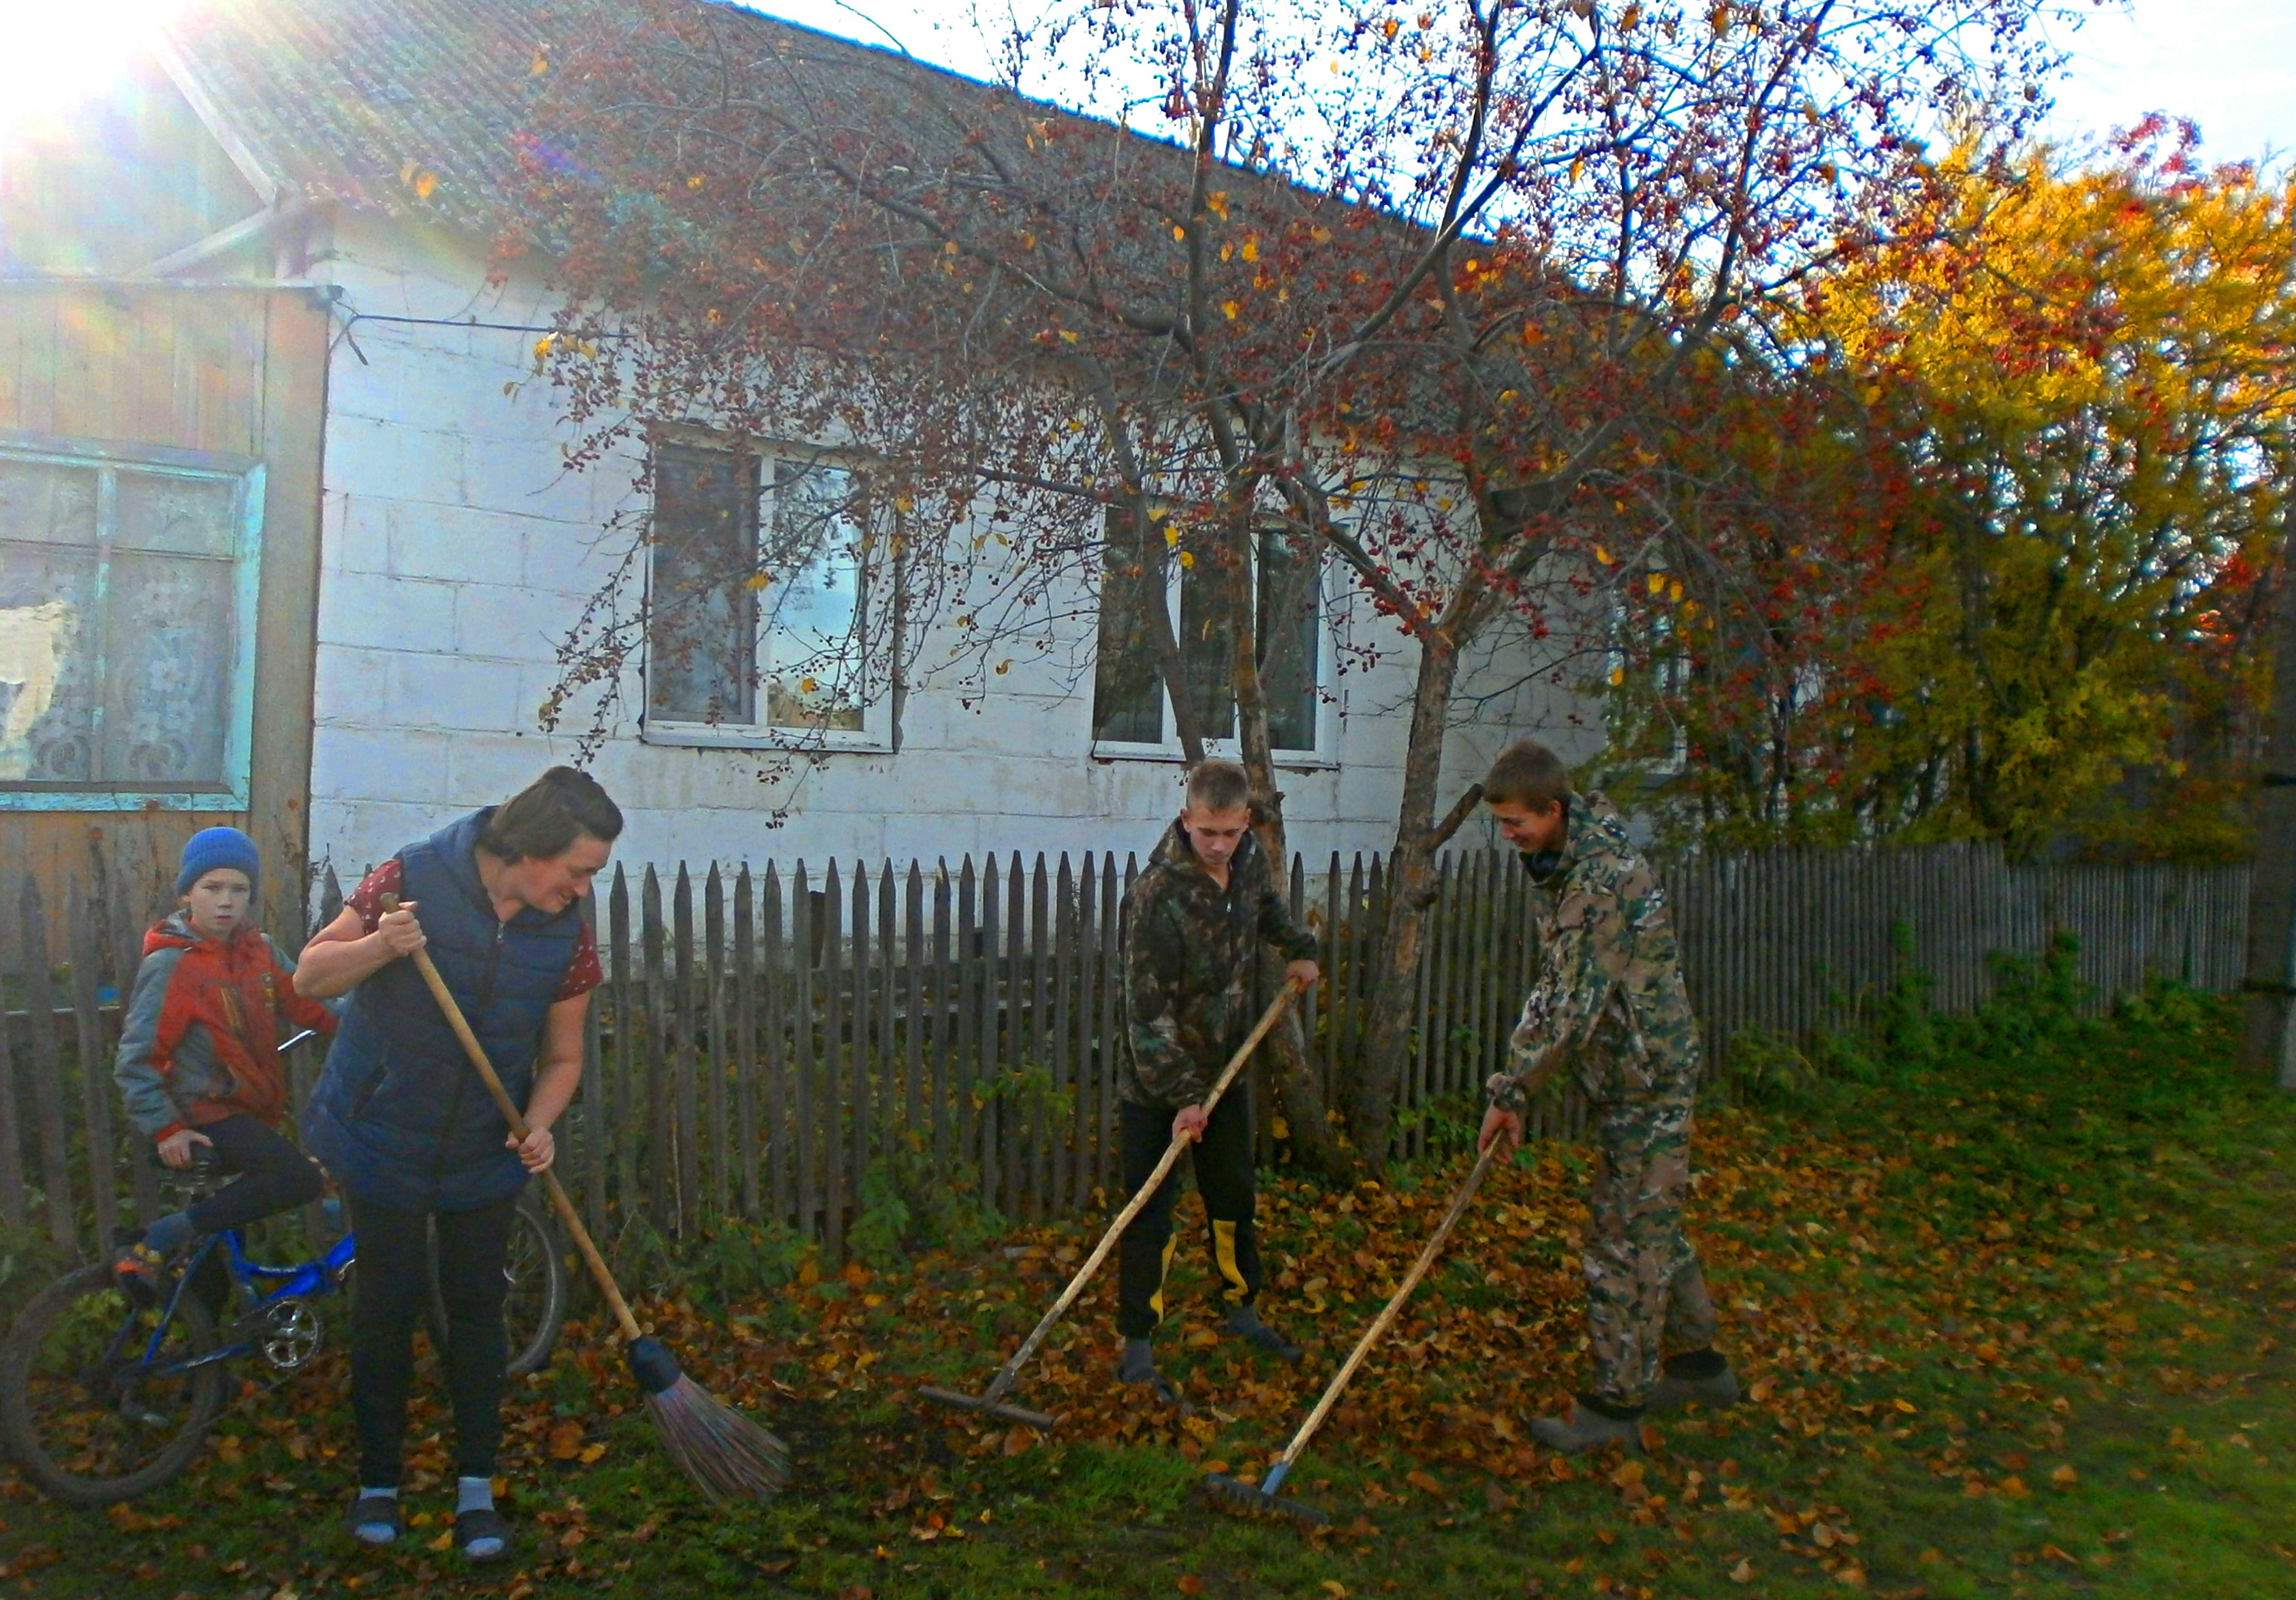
(103,1399)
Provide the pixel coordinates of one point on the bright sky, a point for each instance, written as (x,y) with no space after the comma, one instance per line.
(2230,64)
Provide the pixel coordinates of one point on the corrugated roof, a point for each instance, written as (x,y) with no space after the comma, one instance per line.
(409,107)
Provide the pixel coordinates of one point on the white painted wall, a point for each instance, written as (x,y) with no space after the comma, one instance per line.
(456,552)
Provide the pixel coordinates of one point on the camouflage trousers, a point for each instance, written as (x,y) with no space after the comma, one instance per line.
(1645,1290)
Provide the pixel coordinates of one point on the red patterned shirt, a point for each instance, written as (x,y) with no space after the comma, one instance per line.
(583,973)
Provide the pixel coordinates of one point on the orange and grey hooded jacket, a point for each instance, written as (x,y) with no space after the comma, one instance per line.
(200,1039)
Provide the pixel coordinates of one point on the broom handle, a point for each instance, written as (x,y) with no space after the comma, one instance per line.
(517,1121)
(1387,1316)
(1010,1370)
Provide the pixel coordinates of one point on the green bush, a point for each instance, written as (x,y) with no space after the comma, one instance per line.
(907,1209)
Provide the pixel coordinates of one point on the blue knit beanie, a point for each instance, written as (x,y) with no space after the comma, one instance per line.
(211,847)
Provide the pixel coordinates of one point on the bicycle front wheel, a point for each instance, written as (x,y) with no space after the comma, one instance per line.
(93,1408)
(534,1291)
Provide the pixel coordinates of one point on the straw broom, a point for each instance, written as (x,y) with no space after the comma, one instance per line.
(727,1455)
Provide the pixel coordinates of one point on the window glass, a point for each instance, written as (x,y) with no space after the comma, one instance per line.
(1290,635)
(1128,704)
(1208,648)
(702,614)
(812,570)
(1128,697)
(120,629)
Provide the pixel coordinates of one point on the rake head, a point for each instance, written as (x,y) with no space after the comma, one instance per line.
(1038,1420)
(1239,1498)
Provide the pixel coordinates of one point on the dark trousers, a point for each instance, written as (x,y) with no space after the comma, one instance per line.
(393,1282)
(1223,1159)
(274,1175)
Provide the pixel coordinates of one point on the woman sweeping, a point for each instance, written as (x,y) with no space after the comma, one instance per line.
(410,1135)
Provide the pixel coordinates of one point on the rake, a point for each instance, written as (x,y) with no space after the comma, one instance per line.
(1260,1500)
(727,1455)
(991,1402)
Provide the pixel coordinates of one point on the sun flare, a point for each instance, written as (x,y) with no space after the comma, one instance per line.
(56,54)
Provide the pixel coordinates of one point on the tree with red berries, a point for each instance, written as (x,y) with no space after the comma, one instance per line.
(1442,296)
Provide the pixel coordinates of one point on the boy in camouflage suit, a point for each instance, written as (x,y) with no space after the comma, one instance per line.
(1608,997)
(1193,923)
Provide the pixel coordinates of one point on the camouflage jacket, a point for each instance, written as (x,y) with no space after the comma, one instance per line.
(1608,995)
(1191,951)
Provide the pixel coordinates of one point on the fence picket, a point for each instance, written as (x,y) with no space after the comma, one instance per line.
(990,991)
(804,1095)
(661,1156)
(864,1015)
(965,1064)
(943,1041)
(1023,1054)
(1110,1062)
(93,1060)
(47,1070)
(11,1136)
(776,1005)
(1061,1052)
(745,1040)
(836,1180)
(594,1120)
(682,1042)
(713,977)
(1040,1132)
(917,1129)
(623,1073)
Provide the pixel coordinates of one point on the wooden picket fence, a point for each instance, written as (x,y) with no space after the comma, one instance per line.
(765,1038)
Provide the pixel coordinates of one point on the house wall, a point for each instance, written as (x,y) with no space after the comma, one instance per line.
(457,552)
(226,371)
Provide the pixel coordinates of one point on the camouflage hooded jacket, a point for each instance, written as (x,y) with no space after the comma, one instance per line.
(1190,950)
(1608,994)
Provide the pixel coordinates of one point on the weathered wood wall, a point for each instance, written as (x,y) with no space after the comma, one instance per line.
(231,371)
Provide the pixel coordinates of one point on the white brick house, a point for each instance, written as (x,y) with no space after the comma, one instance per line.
(456,551)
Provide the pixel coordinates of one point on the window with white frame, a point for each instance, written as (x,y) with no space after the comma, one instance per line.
(758,601)
(1131,712)
(129,581)
(1668,663)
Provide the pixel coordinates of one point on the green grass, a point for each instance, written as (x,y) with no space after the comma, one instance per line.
(2012,1291)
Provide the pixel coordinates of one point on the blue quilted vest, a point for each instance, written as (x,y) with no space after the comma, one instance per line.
(398,1115)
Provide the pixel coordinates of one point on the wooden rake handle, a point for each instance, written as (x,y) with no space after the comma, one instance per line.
(1387,1313)
(1461,809)
(1010,1370)
(511,1114)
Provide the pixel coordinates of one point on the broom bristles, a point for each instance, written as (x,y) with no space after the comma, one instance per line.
(726,1454)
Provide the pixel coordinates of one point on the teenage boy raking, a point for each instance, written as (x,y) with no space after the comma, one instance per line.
(1608,997)
(1193,923)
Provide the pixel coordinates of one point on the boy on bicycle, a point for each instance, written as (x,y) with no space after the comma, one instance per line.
(199,1054)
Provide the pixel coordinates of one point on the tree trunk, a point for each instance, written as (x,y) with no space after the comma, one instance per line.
(1303,1093)
(2270,1003)
(1395,985)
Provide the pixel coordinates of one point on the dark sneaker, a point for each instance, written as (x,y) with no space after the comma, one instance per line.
(1139,1366)
(1716,1391)
(1243,1323)
(1586,1430)
(373,1519)
(481,1535)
